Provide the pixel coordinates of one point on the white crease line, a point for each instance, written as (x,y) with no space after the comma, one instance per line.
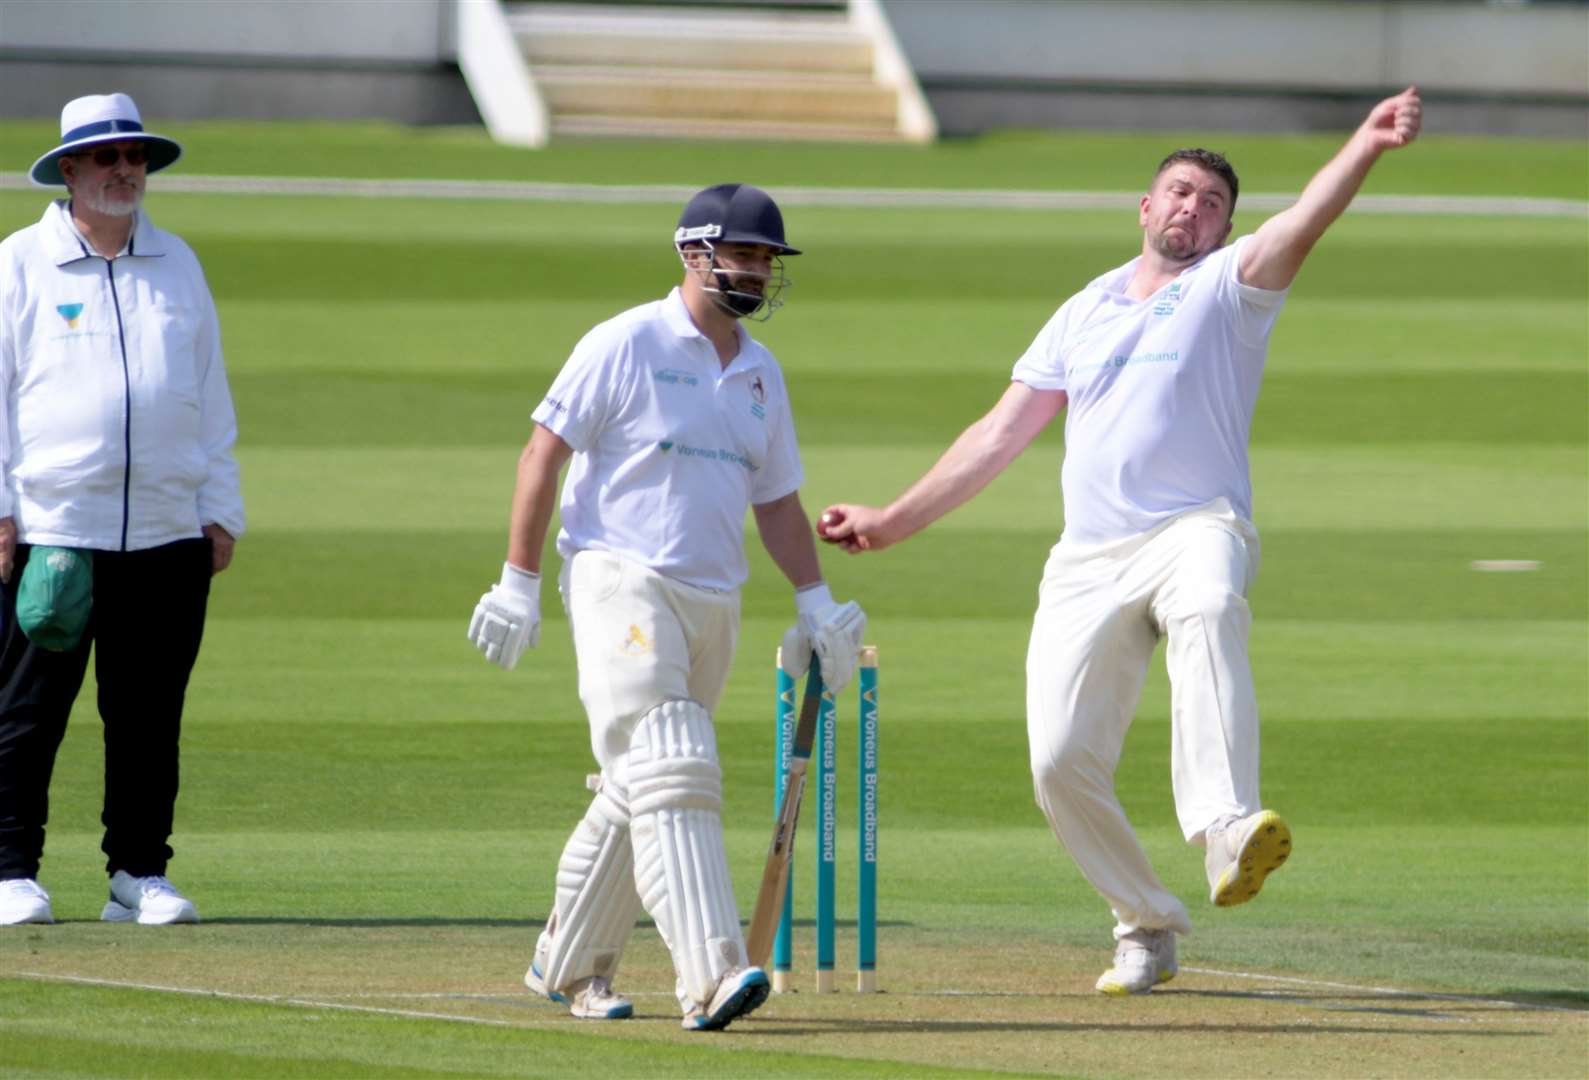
(1386,990)
(943,198)
(271,999)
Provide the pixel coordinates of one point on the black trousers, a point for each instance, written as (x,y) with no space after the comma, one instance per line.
(147,622)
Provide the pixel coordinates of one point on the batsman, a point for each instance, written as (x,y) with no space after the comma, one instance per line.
(676,421)
(1156,365)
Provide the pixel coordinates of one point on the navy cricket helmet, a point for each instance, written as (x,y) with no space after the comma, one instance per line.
(733,214)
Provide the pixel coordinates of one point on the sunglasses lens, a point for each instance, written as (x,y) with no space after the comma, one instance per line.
(106,156)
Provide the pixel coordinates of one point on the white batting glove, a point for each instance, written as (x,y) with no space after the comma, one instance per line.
(833,630)
(507,620)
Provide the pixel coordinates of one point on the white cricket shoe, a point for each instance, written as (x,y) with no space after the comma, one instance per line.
(152,901)
(1242,854)
(1143,959)
(23,900)
(740,992)
(592,998)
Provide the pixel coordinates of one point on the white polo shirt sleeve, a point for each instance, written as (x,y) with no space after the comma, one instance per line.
(589,390)
(1042,366)
(1254,310)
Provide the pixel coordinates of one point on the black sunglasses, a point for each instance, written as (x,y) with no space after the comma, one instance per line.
(106,156)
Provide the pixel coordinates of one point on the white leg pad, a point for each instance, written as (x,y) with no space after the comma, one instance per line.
(681,870)
(596,904)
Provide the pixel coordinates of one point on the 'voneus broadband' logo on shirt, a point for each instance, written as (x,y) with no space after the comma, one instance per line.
(71,313)
(708,454)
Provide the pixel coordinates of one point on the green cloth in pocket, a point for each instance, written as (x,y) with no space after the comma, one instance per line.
(56,596)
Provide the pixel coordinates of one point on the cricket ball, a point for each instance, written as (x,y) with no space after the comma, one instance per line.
(827,521)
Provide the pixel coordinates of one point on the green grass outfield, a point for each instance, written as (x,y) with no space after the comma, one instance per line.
(371,814)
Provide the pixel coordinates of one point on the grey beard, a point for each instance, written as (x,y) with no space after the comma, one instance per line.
(99,204)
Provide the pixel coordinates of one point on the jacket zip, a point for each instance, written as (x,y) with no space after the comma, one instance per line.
(126,383)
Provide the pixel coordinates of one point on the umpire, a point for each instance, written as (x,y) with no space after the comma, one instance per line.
(119,499)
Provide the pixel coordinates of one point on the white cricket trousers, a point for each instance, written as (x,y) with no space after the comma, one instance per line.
(641,639)
(1101,610)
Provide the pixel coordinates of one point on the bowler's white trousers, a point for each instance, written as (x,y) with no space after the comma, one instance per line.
(1101,610)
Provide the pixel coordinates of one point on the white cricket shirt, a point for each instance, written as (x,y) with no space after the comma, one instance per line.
(1161,394)
(671,448)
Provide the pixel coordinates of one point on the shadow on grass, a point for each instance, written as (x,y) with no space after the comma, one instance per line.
(1577,999)
(439,920)
(371,923)
(805,1027)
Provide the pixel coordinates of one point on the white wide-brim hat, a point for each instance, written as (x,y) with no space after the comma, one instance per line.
(100,118)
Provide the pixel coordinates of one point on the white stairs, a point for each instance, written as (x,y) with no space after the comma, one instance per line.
(830,72)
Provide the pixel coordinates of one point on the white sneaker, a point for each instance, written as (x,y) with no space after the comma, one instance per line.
(1242,854)
(740,992)
(23,900)
(593,998)
(1143,959)
(152,901)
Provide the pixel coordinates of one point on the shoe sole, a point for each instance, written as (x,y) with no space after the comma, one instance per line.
(746,1000)
(1115,989)
(617,1012)
(118,912)
(1265,851)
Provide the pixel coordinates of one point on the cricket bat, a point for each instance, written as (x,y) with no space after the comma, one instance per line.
(769,901)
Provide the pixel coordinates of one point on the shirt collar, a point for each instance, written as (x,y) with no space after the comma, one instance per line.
(1116,281)
(677,316)
(65,244)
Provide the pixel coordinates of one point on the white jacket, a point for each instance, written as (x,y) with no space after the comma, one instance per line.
(118,425)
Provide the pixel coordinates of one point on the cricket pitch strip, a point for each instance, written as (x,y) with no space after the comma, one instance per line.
(1022,1008)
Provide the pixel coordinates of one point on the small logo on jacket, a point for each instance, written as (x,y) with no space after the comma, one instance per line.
(70,312)
(758,399)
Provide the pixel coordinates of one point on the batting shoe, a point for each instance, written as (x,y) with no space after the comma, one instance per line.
(23,900)
(591,998)
(152,901)
(1242,854)
(740,992)
(1143,959)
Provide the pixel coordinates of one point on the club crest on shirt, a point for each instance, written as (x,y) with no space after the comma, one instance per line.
(758,399)
(1170,301)
(71,313)
(636,644)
